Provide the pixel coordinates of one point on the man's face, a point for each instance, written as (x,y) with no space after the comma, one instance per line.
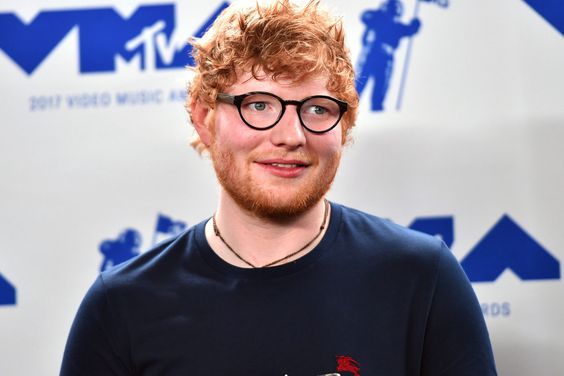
(279,172)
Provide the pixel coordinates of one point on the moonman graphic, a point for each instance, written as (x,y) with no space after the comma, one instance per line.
(380,39)
(126,246)
(277,280)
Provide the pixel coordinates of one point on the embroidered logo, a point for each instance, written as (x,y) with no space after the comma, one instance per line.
(348,364)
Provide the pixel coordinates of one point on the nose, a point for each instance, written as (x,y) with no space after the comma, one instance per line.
(288,132)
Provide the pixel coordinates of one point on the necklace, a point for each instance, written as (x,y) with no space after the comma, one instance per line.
(218,234)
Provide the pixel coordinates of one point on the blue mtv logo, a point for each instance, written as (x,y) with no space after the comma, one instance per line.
(387,26)
(128,243)
(115,251)
(7,292)
(508,246)
(383,33)
(505,246)
(551,11)
(104,35)
(124,247)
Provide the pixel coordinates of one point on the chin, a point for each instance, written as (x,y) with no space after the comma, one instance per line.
(279,203)
(273,198)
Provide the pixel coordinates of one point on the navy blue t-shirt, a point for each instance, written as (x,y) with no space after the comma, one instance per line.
(372,299)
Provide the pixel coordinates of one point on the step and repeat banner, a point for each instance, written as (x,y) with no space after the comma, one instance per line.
(460,134)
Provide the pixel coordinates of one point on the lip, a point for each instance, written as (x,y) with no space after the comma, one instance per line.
(284,168)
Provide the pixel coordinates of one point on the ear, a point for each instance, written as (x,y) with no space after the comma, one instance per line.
(201,120)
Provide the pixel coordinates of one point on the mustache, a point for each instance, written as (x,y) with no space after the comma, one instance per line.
(302,156)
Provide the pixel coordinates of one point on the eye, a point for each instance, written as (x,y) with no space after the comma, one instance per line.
(320,107)
(257,106)
(260,103)
(318,110)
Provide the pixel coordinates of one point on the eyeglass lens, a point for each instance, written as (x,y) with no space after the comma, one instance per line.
(263,110)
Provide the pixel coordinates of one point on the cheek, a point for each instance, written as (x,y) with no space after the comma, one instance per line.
(327,144)
(240,145)
(231,132)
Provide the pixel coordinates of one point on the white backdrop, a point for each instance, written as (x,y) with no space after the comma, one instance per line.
(86,155)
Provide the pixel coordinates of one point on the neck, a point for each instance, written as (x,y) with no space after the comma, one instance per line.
(260,241)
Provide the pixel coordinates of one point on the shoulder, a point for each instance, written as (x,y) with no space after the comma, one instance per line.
(383,234)
(372,243)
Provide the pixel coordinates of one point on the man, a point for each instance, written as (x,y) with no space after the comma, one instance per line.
(279,281)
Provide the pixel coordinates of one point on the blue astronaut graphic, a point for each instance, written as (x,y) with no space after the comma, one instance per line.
(128,243)
(126,246)
(382,36)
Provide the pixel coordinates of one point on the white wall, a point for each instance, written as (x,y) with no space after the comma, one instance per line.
(478,137)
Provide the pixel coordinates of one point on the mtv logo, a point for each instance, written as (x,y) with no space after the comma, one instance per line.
(505,246)
(7,292)
(104,36)
(166,227)
(508,246)
(124,247)
(128,243)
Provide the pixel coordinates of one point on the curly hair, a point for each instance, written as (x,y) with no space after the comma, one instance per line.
(276,38)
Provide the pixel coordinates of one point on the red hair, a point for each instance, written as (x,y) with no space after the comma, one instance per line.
(280,39)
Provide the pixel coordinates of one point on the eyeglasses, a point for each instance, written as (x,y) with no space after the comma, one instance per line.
(261,110)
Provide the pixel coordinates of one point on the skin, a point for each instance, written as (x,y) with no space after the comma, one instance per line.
(272,182)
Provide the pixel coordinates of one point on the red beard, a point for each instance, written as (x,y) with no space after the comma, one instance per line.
(256,198)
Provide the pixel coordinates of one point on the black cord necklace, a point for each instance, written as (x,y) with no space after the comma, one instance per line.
(218,234)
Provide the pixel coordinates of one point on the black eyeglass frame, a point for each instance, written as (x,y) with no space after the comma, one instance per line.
(236,100)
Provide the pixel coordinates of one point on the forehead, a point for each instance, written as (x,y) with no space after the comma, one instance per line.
(282,86)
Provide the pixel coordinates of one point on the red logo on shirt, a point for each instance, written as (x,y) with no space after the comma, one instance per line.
(348,364)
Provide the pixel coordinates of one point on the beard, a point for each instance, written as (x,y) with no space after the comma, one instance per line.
(258,199)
